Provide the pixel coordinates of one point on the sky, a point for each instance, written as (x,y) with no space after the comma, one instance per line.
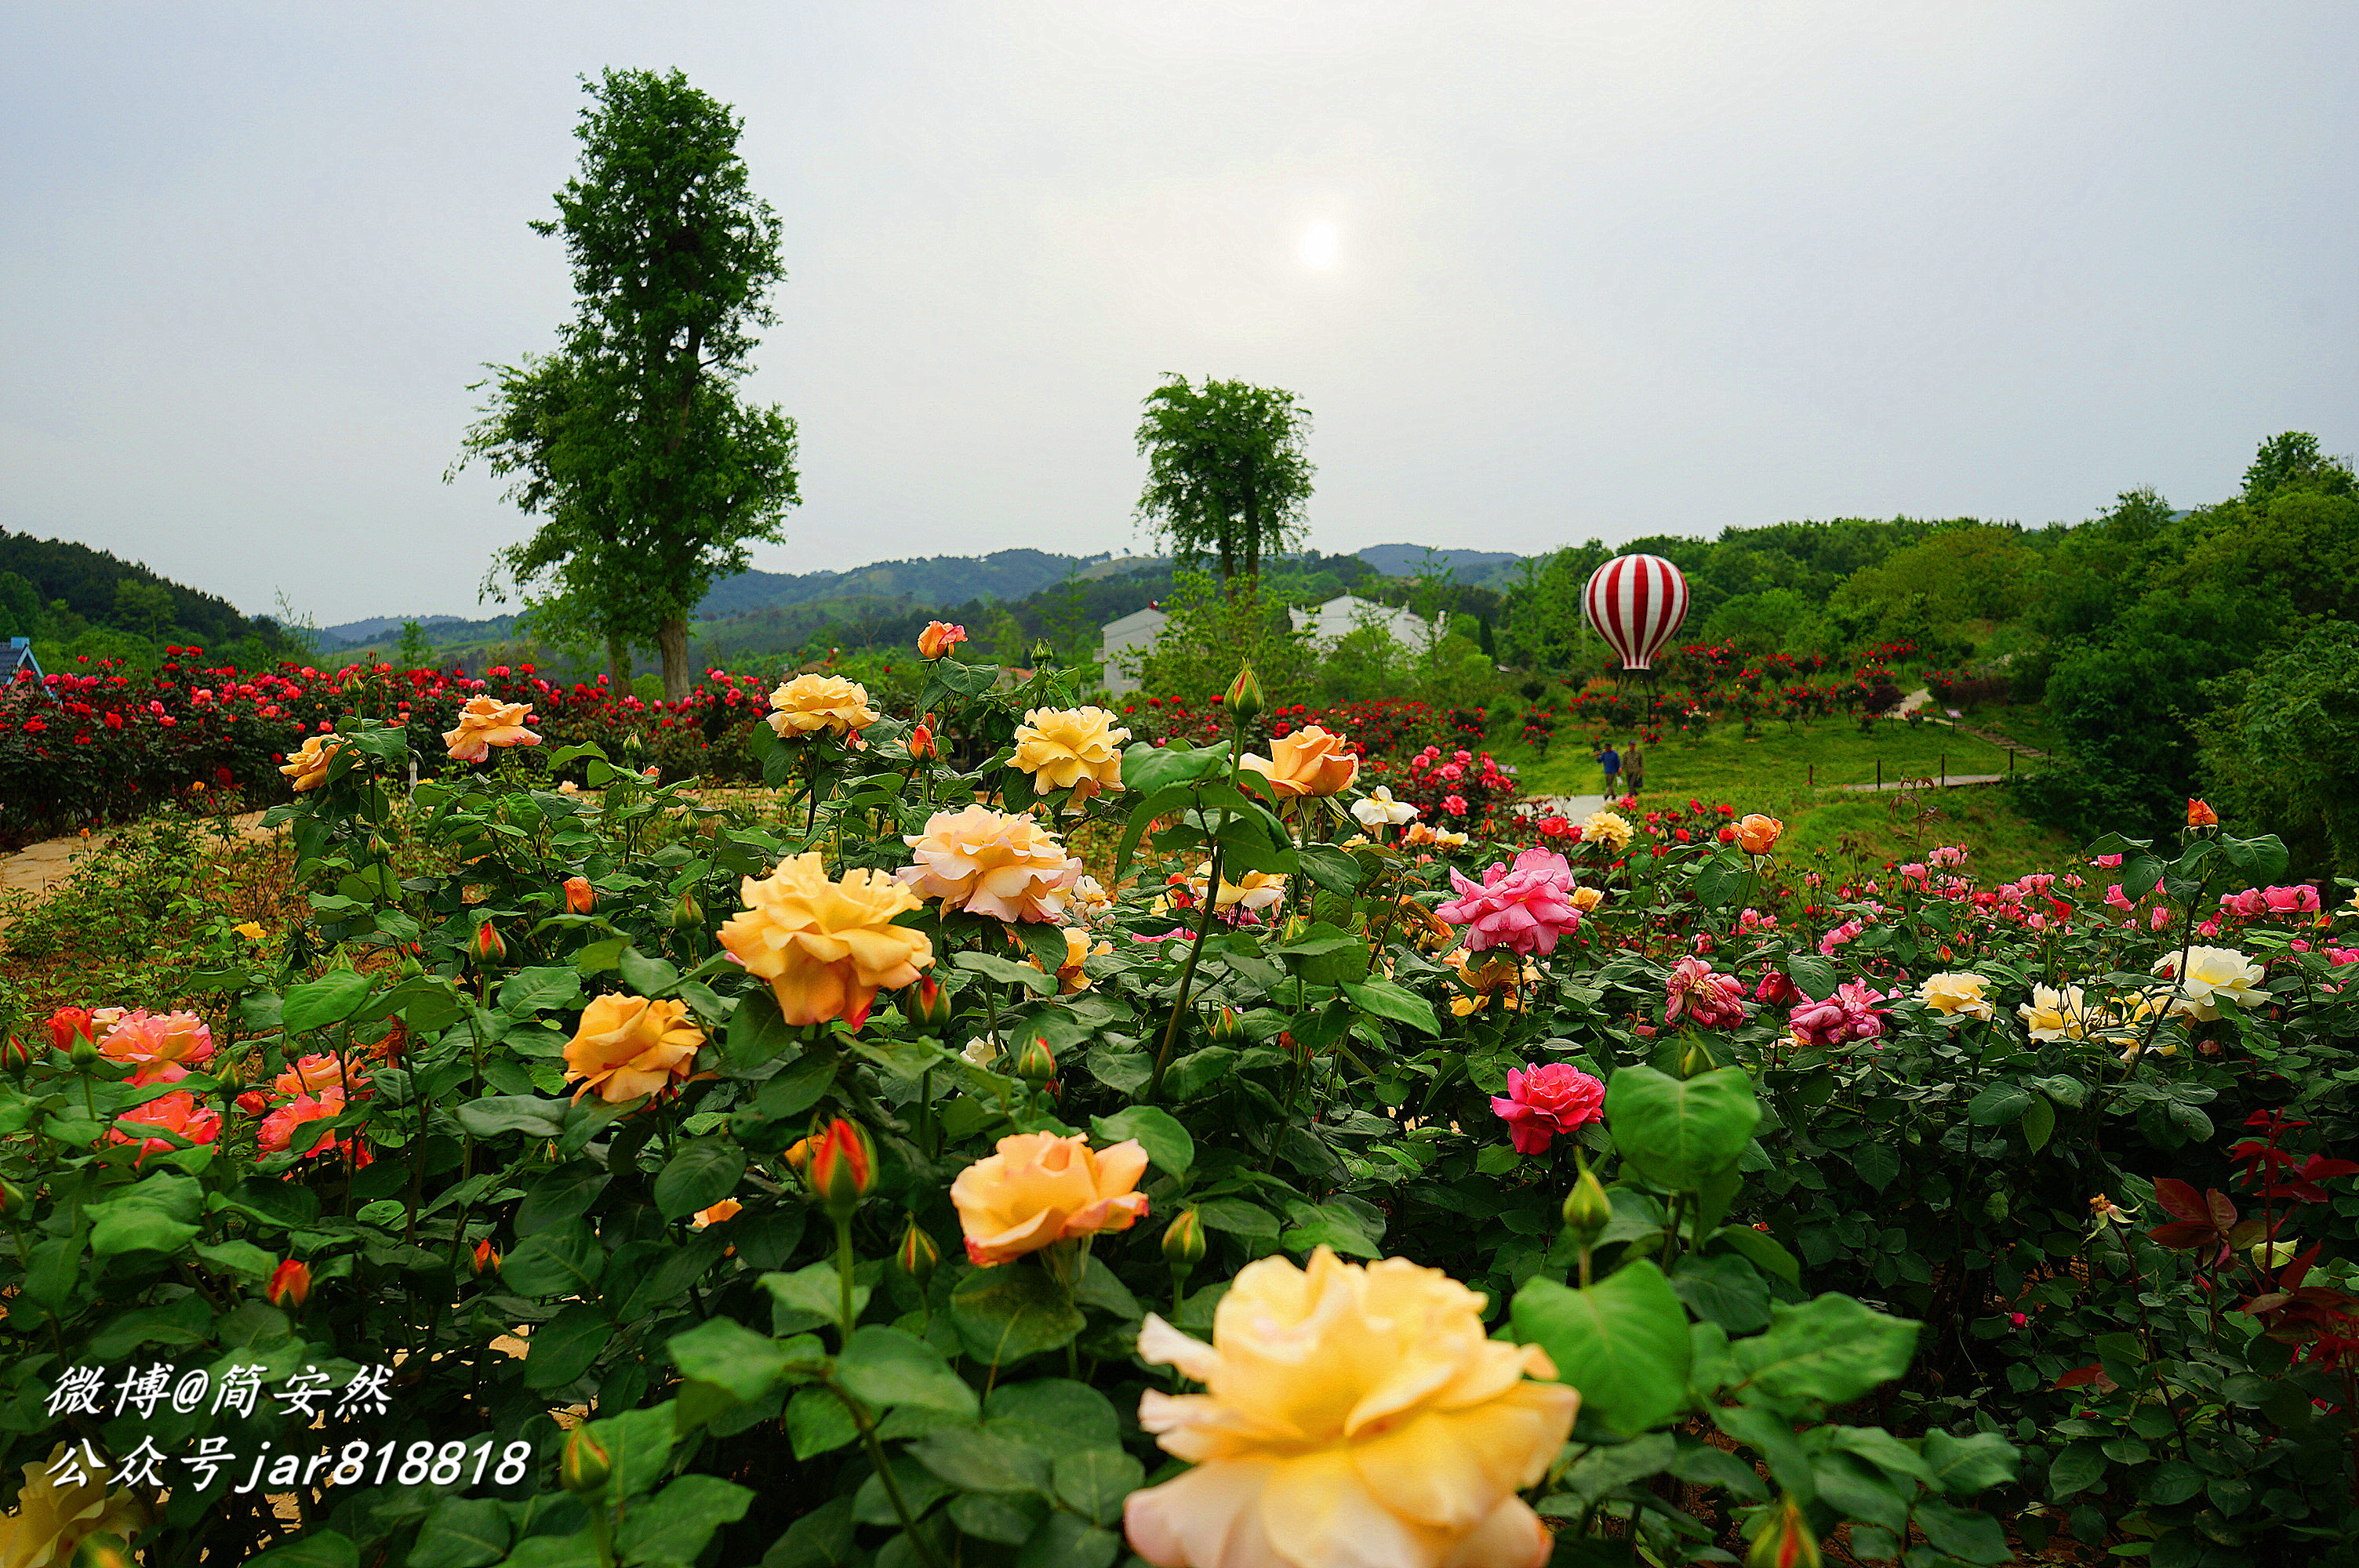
(1542,272)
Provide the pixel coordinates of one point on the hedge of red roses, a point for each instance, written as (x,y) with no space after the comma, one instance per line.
(93,743)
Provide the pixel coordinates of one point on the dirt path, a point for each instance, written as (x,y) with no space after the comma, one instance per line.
(37,868)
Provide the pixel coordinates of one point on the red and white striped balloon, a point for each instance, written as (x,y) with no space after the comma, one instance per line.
(1637,602)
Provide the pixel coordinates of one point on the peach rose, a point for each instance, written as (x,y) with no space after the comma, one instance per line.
(277,1133)
(991,862)
(1308,762)
(486,723)
(319,1073)
(1757,834)
(1039,1189)
(1071,979)
(50,1520)
(164,1045)
(627,1046)
(826,947)
(809,704)
(1063,748)
(720,1213)
(1349,1414)
(939,638)
(176,1113)
(308,768)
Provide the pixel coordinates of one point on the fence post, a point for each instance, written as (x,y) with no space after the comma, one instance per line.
(1945,769)
(1879,772)
(1814,775)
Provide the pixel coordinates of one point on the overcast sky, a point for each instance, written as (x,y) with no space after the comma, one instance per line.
(1541,272)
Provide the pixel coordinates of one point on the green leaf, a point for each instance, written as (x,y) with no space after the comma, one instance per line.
(597,958)
(332,999)
(1817,978)
(1386,999)
(800,1086)
(821,1538)
(978,1461)
(1330,867)
(1770,1436)
(1762,1249)
(1238,1218)
(2038,1123)
(887,1367)
(997,968)
(461,1532)
(240,1260)
(1966,1533)
(1064,1540)
(727,1353)
(1680,1133)
(758,1033)
(671,1529)
(1147,769)
(1724,1290)
(127,1225)
(1622,1342)
(1999,1104)
(1094,1482)
(565,1347)
(700,1174)
(563,1260)
(639,1443)
(812,1294)
(1054,1415)
(1875,1163)
(1157,1132)
(541,990)
(818,1424)
(2139,876)
(1961,1466)
(560,1194)
(529,1114)
(1831,1349)
(1007,1313)
(320,1549)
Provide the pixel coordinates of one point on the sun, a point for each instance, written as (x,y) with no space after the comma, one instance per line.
(1321,247)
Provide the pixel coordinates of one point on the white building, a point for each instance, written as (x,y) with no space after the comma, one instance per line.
(1328,623)
(1123,643)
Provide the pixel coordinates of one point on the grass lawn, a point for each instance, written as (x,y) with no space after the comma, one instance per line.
(1794,777)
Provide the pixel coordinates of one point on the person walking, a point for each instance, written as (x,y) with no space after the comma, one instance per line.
(1611,761)
(1634,769)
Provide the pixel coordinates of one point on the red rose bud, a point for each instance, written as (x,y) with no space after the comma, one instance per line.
(1785,1541)
(1727,835)
(922,744)
(1778,989)
(290,1286)
(1244,700)
(917,1254)
(579,896)
(2202,815)
(687,912)
(490,951)
(68,1024)
(253,1102)
(583,1468)
(1228,1029)
(16,1057)
(487,1260)
(1035,1063)
(843,1168)
(930,1006)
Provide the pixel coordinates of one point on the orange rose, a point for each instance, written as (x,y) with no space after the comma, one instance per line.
(1039,1189)
(826,946)
(1757,834)
(308,768)
(1308,762)
(2202,815)
(939,638)
(627,1046)
(486,723)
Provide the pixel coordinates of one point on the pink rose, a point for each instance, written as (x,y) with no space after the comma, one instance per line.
(1711,1001)
(2299,898)
(1541,1102)
(1850,1014)
(1524,908)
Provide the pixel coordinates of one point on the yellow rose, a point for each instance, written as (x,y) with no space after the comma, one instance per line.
(50,1520)
(1255,890)
(1039,1189)
(2213,973)
(1071,980)
(1349,1415)
(826,947)
(2054,1014)
(990,862)
(1308,762)
(1606,828)
(1957,995)
(1062,748)
(484,723)
(1587,899)
(627,1046)
(308,768)
(811,703)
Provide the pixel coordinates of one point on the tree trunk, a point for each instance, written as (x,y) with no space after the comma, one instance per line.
(671,641)
(618,664)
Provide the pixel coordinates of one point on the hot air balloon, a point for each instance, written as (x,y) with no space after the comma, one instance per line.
(1635,602)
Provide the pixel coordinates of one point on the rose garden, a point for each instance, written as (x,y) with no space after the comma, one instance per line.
(1002,1137)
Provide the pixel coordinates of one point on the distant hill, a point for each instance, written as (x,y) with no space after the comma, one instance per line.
(1408,560)
(938,579)
(91,585)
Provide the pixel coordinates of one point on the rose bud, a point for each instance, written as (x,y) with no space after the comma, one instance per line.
(930,1006)
(579,896)
(917,1254)
(490,951)
(1785,1541)
(68,1024)
(1183,1243)
(687,912)
(16,1057)
(584,1465)
(1035,1063)
(922,744)
(487,1260)
(290,1286)
(2202,815)
(1244,700)
(843,1168)
(1587,1210)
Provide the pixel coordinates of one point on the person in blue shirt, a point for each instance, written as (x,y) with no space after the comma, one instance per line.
(1611,761)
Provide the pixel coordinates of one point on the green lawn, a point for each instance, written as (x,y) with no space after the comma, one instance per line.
(1794,777)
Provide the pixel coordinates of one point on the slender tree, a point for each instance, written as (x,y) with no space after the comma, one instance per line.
(1227,474)
(630,442)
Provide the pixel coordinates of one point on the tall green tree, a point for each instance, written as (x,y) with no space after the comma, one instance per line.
(650,475)
(1227,473)
(2292,462)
